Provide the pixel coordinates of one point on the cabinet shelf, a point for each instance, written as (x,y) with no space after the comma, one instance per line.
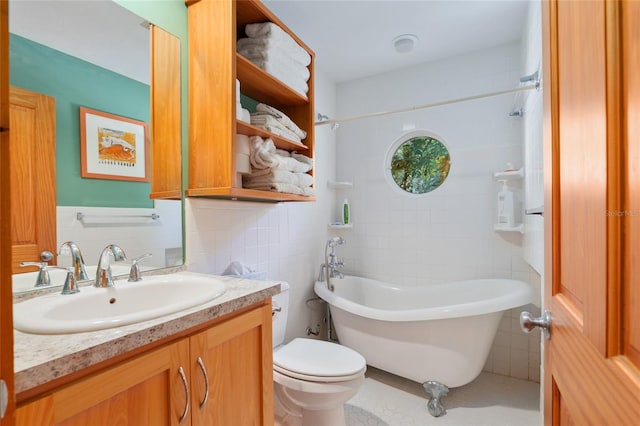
(244,194)
(504,228)
(340,226)
(339,185)
(511,174)
(247,129)
(258,84)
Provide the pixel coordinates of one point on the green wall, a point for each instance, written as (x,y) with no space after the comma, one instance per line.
(74,83)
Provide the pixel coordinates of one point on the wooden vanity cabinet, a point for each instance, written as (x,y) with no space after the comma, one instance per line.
(235,355)
(214,65)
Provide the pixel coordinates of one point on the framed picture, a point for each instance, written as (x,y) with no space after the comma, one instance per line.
(113,147)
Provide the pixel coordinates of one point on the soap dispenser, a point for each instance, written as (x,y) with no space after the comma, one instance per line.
(505,205)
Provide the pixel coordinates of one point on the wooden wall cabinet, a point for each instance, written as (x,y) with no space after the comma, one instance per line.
(235,356)
(214,65)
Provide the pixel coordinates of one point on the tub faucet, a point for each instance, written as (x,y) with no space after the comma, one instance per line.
(103,272)
(331,263)
(79,268)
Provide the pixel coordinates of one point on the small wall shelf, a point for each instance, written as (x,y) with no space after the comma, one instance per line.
(339,185)
(340,226)
(511,174)
(504,228)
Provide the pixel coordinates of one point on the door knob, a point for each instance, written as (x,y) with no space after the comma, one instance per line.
(46,256)
(528,323)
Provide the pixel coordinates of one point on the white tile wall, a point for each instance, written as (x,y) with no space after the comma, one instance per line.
(448,234)
(136,236)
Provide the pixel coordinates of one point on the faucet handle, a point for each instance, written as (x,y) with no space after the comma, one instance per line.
(43,278)
(70,284)
(135,274)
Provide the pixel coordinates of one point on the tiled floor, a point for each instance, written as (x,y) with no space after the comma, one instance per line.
(491,399)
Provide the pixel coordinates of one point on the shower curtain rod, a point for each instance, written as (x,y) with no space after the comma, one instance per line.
(536,86)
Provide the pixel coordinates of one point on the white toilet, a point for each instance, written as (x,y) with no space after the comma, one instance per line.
(312,378)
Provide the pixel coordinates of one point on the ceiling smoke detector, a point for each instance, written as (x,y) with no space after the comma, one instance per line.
(404,43)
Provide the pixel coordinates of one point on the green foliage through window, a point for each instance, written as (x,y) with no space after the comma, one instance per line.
(420,164)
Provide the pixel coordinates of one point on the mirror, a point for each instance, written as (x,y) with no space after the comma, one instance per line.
(93,54)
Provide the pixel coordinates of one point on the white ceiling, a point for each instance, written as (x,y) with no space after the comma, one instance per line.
(353,38)
(97,31)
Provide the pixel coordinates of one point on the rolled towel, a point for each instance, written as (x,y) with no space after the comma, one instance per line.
(275,55)
(281,117)
(272,32)
(263,153)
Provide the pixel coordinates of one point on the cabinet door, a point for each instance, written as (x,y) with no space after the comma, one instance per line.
(166,131)
(147,390)
(237,356)
(32,142)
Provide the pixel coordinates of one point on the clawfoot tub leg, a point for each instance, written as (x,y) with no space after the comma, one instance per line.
(436,390)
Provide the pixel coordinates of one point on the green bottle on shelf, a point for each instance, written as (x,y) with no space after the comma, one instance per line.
(346,212)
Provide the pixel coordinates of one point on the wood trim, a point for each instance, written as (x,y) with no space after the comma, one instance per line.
(6,296)
(616,178)
(246,194)
(551,174)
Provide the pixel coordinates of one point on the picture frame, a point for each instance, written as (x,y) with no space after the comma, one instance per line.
(113,147)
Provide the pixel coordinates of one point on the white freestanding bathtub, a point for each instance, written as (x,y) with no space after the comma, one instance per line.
(439,333)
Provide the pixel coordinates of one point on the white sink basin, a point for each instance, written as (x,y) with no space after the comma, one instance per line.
(125,303)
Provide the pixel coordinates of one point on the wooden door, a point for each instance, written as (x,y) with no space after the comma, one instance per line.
(32,119)
(148,390)
(6,297)
(592,211)
(237,360)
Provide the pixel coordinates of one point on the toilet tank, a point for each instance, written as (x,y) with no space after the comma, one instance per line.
(279,319)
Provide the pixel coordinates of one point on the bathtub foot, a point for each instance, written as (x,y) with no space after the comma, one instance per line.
(436,390)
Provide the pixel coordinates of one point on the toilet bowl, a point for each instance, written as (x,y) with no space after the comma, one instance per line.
(313,378)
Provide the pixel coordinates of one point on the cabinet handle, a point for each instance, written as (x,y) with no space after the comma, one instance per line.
(206,382)
(188,396)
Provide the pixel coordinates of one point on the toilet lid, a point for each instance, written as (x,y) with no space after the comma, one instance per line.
(318,358)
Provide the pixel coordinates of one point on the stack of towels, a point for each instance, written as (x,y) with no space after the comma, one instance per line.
(277,170)
(269,47)
(272,120)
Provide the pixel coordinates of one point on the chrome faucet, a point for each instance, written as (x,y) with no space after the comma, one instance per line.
(79,268)
(331,262)
(42,279)
(103,272)
(134,274)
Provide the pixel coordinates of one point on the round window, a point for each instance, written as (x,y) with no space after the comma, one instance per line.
(418,163)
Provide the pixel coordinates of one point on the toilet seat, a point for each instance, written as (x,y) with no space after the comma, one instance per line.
(318,361)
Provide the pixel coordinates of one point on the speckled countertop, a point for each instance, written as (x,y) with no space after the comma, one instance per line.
(39,359)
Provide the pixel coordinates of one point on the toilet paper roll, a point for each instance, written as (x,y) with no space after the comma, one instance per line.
(243,165)
(242,144)
(239,112)
(246,116)
(237,182)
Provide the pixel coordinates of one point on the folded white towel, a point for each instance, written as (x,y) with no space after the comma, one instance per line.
(272,125)
(283,73)
(278,176)
(303,159)
(281,117)
(263,156)
(275,55)
(299,56)
(272,32)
